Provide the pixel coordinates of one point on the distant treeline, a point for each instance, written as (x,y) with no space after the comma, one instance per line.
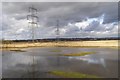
(64,39)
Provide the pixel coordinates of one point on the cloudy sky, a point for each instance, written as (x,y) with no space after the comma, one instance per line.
(76,19)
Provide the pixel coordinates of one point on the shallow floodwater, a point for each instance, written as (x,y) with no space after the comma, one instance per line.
(37,62)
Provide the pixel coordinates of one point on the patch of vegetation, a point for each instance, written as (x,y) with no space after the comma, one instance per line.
(18,50)
(71,74)
(78,54)
(55,50)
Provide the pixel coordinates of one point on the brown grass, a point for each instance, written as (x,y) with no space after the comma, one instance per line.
(102,43)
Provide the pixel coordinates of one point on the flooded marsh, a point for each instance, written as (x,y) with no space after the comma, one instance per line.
(39,62)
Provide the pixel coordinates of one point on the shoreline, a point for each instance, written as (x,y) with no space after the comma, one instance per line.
(81,44)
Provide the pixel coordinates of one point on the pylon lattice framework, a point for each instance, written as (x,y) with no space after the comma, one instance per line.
(33,21)
(57,31)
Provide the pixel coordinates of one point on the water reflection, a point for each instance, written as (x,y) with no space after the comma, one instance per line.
(37,62)
(90,60)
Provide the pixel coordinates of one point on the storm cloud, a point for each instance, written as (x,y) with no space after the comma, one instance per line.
(76,19)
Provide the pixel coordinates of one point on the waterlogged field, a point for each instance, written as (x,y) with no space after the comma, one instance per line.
(60,62)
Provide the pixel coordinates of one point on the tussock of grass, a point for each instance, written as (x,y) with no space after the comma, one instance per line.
(71,74)
(17,50)
(78,54)
(56,51)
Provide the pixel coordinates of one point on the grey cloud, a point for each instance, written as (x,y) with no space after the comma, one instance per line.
(93,26)
(65,12)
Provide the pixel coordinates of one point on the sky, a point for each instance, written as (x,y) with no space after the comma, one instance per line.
(76,19)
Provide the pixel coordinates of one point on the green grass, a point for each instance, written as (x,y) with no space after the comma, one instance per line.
(72,74)
(55,51)
(78,54)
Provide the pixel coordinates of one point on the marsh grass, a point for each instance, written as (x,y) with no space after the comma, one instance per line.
(15,49)
(71,74)
(55,50)
(18,50)
(81,44)
(78,54)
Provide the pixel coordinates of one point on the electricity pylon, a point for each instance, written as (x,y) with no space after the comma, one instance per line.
(33,21)
(57,31)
